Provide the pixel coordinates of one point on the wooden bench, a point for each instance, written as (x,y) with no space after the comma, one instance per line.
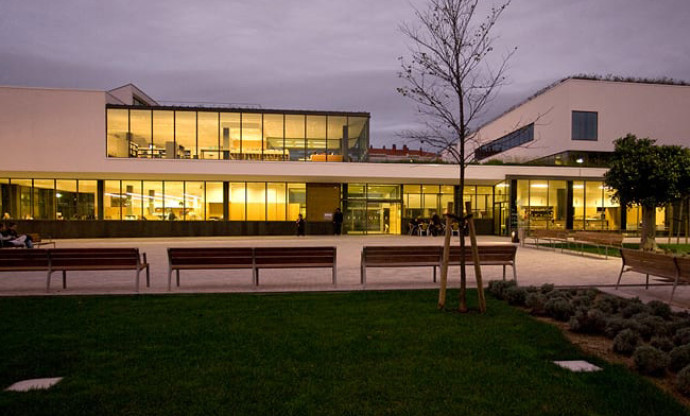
(664,267)
(207,258)
(550,235)
(399,256)
(35,260)
(251,258)
(295,258)
(599,239)
(93,259)
(489,255)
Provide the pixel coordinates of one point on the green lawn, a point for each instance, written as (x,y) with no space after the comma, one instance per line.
(348,353)
(674,248)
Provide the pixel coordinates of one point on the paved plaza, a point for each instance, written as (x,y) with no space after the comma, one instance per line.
(535,266)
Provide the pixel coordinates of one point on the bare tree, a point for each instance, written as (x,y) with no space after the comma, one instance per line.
(451,78)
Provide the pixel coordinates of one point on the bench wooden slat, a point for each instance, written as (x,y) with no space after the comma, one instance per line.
(661,266)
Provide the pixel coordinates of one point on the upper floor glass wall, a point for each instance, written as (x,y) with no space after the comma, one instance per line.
(193,134)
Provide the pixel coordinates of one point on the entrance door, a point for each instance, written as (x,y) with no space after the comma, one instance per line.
(373,217)
(501,217)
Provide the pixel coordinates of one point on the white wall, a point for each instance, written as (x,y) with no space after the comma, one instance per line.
(646,110)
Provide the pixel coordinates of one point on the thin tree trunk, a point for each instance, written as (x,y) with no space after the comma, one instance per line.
(475,260)
(648,240)
(687,220)
(672,221)
(444,263)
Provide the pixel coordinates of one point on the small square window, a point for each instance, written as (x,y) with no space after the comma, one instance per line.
(585,125)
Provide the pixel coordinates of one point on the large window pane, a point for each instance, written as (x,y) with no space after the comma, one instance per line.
(522,203)
(612,211)
(208,135)
(44,199)
(163,135)
(358,138)
(113,200)
(185,135)
(316,138)
(252,134)
(540,212)
(194,201)
(140,127)
(87,201)
(276,202)
(584,125)
(230,135)
(174,201)
(558,201)
(5,209)
(236,202)
(274,145)
(153,200)
(117,133)
(297,200)
(256,201)
(294,136)
(337,127)
(595,218)
(132,200)
(578,205)
(66,198)
(214,201)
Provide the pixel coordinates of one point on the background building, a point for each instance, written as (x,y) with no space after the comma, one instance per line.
(576,120)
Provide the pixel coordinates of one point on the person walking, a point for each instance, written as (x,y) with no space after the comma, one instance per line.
(301,225)
(337,222)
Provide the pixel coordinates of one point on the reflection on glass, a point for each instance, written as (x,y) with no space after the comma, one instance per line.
(140,128)
(316,138)
(297,200)
(208,135)
(230,135)
(252,134)
(173,201)
(163,136)
(66,199)
(256,201)
(237,201)
(185,135)
(337,130)
(275,201)
(214,201)
(194,201)
(295,136)
(87,200)
(132,201)
(117,133)
(274,145)
(112,200)
(44,199)
(153,200)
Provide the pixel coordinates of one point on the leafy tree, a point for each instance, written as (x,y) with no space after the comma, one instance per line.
(648,175)
(450,78)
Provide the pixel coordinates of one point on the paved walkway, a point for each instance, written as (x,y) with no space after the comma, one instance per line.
(535,266)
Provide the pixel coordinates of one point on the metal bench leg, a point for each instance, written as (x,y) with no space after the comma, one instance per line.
(504,272)
(619,277)
(335,279)
(170,279)
(136,282)
(64,279)
(675,283)
(363,275)
(48,281)
(177,276)
(148,276)
(514,273)
(256,277)
(434,274)
(646,285)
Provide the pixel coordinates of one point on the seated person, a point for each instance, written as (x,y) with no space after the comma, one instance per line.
(436,226)
(9,237)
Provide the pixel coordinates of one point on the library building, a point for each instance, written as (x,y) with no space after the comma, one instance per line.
(96,164)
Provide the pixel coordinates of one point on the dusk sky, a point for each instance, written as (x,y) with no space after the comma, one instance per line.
(320,54)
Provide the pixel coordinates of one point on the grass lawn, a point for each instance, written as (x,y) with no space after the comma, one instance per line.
(347,353)
(674,248)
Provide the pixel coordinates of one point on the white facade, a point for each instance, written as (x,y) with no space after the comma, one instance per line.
(656,111)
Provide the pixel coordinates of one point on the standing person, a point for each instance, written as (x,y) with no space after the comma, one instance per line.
(337,222)
(301,224)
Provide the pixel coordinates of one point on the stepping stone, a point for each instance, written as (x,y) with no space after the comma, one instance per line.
(578,366)
(34,384)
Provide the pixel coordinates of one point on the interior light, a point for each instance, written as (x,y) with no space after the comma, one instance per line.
(539,185)
(580,160)
(59,195)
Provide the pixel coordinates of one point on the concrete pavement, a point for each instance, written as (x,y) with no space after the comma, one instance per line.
(535,266)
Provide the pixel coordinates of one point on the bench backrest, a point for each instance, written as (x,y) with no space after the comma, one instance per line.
(649,263)
(389,255)
(210,255)
(609,239)
(63,257)
(35,259)
(487,253)
(294,255)
(549,233)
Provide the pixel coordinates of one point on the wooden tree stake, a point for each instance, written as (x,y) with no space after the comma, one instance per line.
(444,263)
(475,259)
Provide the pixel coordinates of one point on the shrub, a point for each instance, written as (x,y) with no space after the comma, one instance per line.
(592,321)
(607,303)
(559,308)
(680,357)
(616,324)
(515,295)
(546,288)
(663,343)
(683,381)
(536,301)
(634,307)
(650,361)
(660,309)
(498,287)
(682,336)
(581,301)
(650,325)
(626,341)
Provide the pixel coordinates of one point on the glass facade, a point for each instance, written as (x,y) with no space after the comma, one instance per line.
(514,139)
(156,133)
